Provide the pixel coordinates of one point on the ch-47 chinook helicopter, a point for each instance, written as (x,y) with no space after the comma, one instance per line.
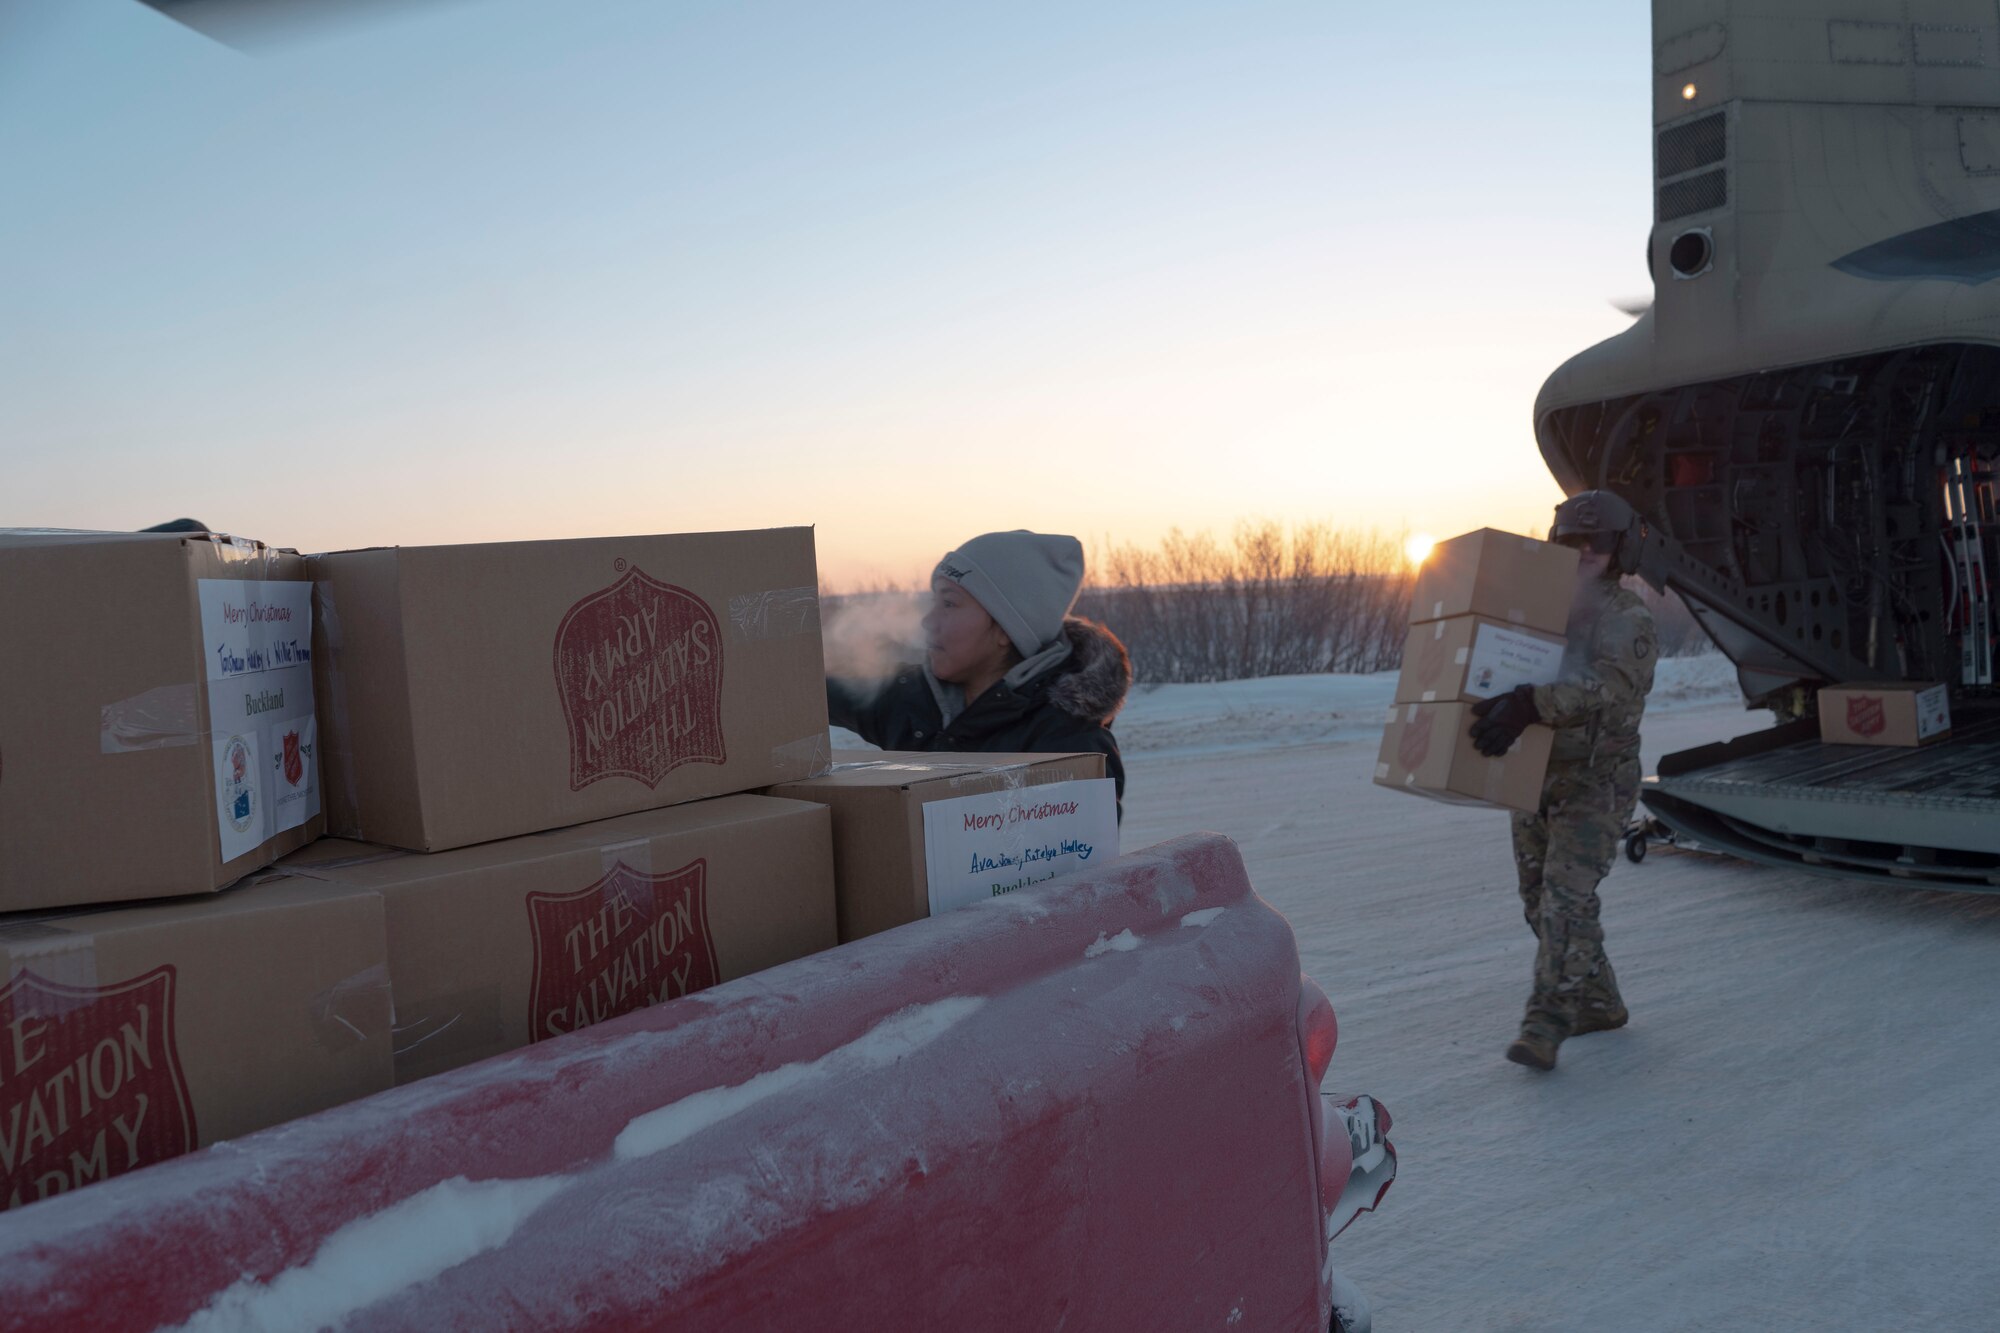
(1808,414)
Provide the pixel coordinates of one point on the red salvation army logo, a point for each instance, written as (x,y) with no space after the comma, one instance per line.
(90,1083)
(628,941)
(1865,714)
(1430,661)
(295,760)
(1414,746)
(639,668)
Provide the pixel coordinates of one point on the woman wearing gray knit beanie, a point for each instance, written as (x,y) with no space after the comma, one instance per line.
(1007,669)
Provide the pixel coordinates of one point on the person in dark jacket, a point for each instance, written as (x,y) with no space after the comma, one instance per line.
(1007,668)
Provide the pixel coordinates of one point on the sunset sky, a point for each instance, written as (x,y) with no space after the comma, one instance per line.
(503,269)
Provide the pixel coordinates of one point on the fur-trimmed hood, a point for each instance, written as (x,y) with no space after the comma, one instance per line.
(1093,682)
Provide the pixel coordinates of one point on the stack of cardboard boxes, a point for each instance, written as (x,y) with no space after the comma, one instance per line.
(535,758)
(564,780)
(1487,613)
(158,741)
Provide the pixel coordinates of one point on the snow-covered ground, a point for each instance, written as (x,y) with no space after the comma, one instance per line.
(1239,715)
(1799,1130)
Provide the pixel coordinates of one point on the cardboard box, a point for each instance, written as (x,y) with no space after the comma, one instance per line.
(156,715)
(1906,715)
(1427,751)
(881,875)
(1472,657)
(495,946)
(137,1034)
(1512,579)
(469,693)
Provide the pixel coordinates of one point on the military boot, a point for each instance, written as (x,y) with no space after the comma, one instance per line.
(1541,1033)
(1600,1017)
(1600,1008)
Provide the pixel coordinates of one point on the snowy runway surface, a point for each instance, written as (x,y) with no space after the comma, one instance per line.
(1799,1130)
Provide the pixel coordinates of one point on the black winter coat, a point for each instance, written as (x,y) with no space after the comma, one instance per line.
(1065,710)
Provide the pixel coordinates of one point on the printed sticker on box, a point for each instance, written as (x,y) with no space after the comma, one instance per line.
(983,846)
(1933,712)
(1504,658)
(257,640)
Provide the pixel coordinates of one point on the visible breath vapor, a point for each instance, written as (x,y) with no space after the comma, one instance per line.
(869,635)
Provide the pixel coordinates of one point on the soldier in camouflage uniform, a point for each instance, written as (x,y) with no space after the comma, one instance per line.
(1563,849)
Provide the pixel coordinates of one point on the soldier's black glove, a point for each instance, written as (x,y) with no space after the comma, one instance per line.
(1501,720)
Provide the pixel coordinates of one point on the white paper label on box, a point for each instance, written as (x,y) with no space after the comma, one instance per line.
(1504,658)
(257,638)
(980,847)
(1933,711)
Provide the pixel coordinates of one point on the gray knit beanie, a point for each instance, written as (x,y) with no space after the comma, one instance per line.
(1027,581)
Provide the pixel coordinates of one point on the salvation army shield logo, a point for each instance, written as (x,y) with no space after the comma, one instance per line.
(294,760)
(1865,714)
(1430,661)
(627,941)
(639,669)
(90,1083)
(1414,745)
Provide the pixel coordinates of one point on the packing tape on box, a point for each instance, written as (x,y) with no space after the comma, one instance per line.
(241,550)
(775,613)
(317,870)
(334,729)
(153,719)
(901,766)
(1013,777)
(65,957)
(807,757)
(354,1009)
(170,715)
(421,1022)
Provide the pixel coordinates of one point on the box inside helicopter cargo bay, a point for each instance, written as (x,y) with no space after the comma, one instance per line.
(1897,715)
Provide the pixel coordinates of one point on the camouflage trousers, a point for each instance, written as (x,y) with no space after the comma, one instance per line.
(1560,853)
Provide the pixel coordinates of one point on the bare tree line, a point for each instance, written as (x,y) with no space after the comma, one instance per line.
(1271,601)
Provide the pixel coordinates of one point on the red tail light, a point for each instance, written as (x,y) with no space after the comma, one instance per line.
(1317,1029)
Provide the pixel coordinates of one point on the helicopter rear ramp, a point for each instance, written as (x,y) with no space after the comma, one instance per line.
(1784,797)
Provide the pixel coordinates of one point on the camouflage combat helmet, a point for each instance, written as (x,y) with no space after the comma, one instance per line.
(1602,514)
